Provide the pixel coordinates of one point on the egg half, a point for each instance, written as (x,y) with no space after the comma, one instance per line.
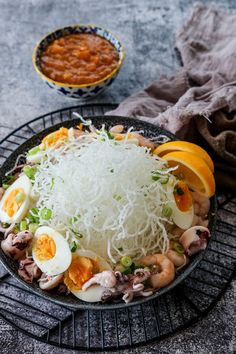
(15,202)
(182,206)
(51,251)
(84,265)
(38,152)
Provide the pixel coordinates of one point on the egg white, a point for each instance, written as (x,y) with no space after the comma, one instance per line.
(182,219)
(94,292)
(62,259)
(22,182)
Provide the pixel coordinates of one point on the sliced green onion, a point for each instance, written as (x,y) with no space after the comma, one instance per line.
(20,197)
(5,185)
(34,211)
(117,197)
(34,150)
(178,248)
(30,218)
(30,171)
(33,227)
(46,214)
(73,246)
(167,211)
(126,261)
(23,225)
(74,218)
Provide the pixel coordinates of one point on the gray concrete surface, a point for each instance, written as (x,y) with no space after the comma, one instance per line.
(147,30)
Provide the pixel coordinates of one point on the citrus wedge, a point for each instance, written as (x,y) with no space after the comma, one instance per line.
(193,170)
(166,148)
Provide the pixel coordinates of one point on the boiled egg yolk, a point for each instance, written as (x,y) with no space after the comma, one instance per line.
(45,248)
(182,196)
(59,135)
(80,270)
(14,201)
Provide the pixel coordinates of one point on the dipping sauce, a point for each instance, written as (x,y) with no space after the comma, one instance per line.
(79,59)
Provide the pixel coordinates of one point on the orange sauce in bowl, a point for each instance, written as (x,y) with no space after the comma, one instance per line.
(79,59)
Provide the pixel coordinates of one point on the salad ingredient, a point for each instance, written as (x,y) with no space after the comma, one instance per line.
(13,207)
(28,270)
(192,170)
(186,146)
(51,251)
(15,245)
(194,239)
(47,282)
(165,269)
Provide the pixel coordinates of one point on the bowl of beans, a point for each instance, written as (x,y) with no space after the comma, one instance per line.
(78,61)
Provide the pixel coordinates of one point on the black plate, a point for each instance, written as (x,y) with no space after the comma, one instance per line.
(150,131)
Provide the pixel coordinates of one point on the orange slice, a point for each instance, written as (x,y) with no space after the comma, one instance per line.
(166,148)
(193,170)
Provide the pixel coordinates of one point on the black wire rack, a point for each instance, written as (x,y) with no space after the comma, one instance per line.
(115,329)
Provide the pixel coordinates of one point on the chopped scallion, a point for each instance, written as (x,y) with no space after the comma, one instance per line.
(34,151)
(178,248)
(30,171)
(33,227)
(73,246)
(167,211)
(46,214)
(23,225)
(126,261)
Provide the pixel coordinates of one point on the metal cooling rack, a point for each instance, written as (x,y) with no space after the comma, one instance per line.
(115,329)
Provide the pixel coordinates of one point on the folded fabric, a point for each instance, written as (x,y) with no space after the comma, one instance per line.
(196,102)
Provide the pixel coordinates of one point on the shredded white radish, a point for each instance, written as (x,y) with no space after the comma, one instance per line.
(101,194)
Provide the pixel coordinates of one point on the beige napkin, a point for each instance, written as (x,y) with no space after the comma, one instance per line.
(197,102)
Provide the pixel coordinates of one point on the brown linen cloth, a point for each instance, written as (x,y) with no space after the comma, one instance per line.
(205,88)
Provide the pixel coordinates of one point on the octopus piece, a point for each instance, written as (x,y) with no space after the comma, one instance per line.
(140,275)
(107,279)
(15,245)
(137,290)
(128,286)
(28,270)
(50,282)
(164,264)
(194,239)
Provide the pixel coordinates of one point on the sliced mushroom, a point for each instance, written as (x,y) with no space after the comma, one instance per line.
(194,239)
(49,283)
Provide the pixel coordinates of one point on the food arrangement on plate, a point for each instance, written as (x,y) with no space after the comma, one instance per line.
(106,214)
(79,61)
